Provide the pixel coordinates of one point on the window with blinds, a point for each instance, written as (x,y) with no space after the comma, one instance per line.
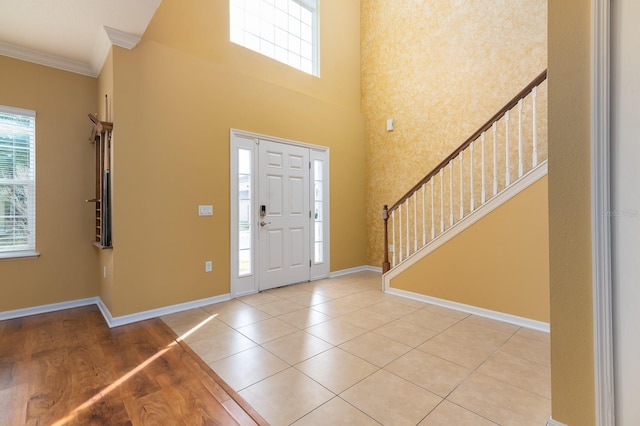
(17,182)
(284,30)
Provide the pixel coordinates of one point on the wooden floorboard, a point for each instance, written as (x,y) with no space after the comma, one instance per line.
(69,368)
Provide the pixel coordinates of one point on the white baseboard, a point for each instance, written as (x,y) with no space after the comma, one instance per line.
(552,422)
(365,268)
(110,319)
(152,313)
(487,313)
(43,309)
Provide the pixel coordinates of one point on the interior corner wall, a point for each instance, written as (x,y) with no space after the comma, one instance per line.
(570,266)
(176,97)
(500,263)
(66,267)
(440,70)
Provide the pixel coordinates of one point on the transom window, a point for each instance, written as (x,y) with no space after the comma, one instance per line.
(284,30)
(17,182)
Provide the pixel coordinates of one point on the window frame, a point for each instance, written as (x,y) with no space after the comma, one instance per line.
(28,249)
(311,5)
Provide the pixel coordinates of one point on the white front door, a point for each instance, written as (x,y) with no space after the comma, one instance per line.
(284,214)
(287,240)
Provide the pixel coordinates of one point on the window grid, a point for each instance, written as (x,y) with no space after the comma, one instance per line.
(284,30)
(17,180)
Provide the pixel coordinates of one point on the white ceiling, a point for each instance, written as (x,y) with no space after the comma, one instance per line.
(71,34)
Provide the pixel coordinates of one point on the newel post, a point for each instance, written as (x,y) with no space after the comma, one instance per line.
(385,264)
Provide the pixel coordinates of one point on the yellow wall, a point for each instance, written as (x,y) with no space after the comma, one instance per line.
(176,95)
(500,263)
(572,366)
(441,70)
(66,267)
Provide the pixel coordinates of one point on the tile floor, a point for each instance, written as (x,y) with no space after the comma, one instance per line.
(341,352)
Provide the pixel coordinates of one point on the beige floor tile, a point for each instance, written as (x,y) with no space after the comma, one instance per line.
(366,319)
(287,291)
(405,332)
(259,299)
(448,414)
(182,322)
(336,412)
(460,351)
(540,336)
(248,367)
(409,302)
(336,369)
(390,399)
(280,307)
(335,308)
(296,347)
(447,312)
(309,299)
(220,346)
(527,375)
(229,305)
(269,329)
(391,309)
(335,291)
(376,349)
(285,397)
(430,372)
(500,402)
(491,323)
(335,331)
(366,298)
(242,317)
(426,318)
(476,334)
(532,350)
(304,318)
(208,328)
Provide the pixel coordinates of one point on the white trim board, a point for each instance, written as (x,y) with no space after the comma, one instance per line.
(348,271)
(523,183)
(487,313)
(111,320)
(552,422)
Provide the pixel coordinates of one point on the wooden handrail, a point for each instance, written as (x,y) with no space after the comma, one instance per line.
(497,116)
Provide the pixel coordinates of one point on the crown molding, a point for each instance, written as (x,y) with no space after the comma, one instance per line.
(46,59)
(121,39)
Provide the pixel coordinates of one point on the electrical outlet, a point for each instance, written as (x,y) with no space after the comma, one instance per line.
(104,272)
(391,248)
(208,266)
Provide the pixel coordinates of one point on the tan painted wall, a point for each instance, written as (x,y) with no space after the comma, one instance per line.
(572,385)
(441,70)
(64,179)
(500,263)
(176,95)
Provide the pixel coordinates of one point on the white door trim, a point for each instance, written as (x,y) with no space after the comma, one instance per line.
(601,220)
(240,139)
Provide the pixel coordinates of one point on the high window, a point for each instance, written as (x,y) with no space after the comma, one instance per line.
(285,30)
(17,182)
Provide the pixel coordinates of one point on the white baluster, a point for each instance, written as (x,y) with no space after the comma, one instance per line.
(520,165)
(442,200)
(495,159)
(507,177)
(534,94)
(400,233)
(415,222)
(472,203)
(461,185)
(393,235)
(484,195)
(424,216)
(433,218)
(450,165)
(408,224)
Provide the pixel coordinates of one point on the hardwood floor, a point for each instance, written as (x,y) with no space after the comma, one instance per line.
(69,368)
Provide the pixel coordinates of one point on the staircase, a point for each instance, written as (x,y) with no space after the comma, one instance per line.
(504,156)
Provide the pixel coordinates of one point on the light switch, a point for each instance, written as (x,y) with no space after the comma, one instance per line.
(390,125)
(205,210)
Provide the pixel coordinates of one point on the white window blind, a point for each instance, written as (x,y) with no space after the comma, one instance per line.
(17,181)
(284,30)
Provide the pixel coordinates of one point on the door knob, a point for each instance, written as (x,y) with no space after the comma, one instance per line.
(263,223)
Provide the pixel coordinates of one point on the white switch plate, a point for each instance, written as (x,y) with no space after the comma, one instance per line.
(208,266)
(390,125)
(205,210)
